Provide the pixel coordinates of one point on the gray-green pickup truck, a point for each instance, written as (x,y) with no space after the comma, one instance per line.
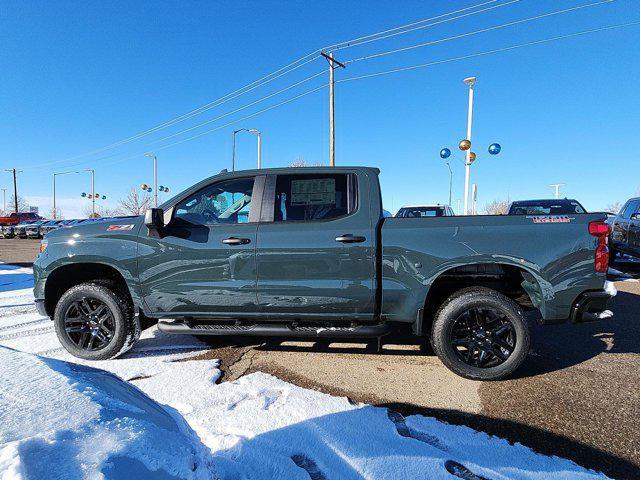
(306,252)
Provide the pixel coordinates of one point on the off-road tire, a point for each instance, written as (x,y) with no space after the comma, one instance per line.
(484,298)
(127,326)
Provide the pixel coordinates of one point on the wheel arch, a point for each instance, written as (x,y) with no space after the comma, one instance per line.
(517,282)
(66,276)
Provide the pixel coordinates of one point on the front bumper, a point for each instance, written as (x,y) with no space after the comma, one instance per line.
(592,306)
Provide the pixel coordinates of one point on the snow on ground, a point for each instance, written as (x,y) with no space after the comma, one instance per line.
(64,420)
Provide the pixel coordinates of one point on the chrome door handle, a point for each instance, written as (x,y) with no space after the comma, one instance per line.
(236,241)
(349,238)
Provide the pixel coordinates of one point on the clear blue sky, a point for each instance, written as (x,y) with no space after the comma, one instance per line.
(76,76)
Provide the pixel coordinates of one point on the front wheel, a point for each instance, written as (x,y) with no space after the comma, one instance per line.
(480,334)
(95,321)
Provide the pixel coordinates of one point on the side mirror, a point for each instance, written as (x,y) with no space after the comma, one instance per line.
(154,218)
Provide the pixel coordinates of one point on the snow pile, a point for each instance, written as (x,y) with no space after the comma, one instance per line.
(60,420)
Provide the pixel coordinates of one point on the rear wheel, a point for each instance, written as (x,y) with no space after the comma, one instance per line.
(480,334)
(95,321)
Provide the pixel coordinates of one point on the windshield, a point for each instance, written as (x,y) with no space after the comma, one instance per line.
(546,207)
(417,212)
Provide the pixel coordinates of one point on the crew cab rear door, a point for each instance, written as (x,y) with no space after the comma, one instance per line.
(203,262)
(316,247)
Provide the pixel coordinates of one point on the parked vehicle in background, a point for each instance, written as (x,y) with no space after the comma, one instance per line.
(625,229)
(417,211)
(50,225)
(20,230)
(16,218)
(307,252)
(554,206)
(33,229)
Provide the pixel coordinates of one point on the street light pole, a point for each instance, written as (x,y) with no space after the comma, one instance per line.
(55,211)
(450,180)
(257,132)
(557,187)
(233,146)
(470,81)
(93,191)
(155,178)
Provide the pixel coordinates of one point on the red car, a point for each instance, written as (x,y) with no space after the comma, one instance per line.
(16,218)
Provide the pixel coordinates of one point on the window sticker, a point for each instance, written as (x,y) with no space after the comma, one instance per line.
(318,191)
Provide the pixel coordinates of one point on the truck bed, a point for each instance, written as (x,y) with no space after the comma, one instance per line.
(554,253)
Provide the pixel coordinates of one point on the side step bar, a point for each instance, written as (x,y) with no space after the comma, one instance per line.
(274,330)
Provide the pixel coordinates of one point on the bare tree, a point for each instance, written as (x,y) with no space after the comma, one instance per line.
(135,203)
(301,162)
(23,205)
(613,207)
(497,207)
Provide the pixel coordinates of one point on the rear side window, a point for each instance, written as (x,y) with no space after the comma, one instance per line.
(630,208)
(314,197)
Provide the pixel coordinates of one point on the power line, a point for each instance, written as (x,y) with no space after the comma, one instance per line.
(376,74)
(476,32)
(348,43)
(356,44)
(259,112)
(488,52)
(290,67)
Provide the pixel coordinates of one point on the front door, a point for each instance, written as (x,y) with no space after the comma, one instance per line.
(315,255)
(203,262)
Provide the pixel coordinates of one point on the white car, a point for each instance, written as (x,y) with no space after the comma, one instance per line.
(417,211)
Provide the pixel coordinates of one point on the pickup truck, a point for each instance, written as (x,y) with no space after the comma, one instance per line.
(19,217)
(625,229)
(307,252)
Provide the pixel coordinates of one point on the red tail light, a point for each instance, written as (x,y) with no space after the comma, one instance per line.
(601,230)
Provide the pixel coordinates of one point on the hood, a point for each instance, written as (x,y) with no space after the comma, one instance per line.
(98,227)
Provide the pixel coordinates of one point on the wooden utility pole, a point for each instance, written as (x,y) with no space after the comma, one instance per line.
(333,64)
(15,188)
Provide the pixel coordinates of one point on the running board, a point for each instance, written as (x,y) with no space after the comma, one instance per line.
(274,330)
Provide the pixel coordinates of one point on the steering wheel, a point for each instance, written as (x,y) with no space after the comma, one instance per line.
(210,215)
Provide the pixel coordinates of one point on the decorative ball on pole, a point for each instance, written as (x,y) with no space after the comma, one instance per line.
(144,186)
(464,145)
(83,194)
(104,197)
(494,148)
(445,153)
(472,157)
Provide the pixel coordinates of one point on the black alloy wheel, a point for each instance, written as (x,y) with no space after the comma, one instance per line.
(483,337)
(89,324)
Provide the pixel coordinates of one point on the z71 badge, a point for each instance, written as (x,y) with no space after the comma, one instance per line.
(111,228)
(551,218)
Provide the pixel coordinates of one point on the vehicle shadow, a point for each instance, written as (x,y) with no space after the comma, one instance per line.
(555,347)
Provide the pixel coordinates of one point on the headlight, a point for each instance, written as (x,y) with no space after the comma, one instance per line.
(43,245)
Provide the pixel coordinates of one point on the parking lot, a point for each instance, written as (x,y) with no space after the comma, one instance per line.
(576,397)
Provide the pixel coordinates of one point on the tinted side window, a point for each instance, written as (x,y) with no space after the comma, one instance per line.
(314,197)
(630,208)
(227,201)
